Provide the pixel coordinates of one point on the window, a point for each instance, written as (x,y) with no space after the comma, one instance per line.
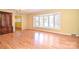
(46,22)
(36,21)
(51,21)
(57,21)
(41,21)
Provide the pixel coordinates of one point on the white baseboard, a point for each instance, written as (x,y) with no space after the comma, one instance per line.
(63,33)
(55,32)
(58,32)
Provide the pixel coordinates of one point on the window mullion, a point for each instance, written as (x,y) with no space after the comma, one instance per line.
(39,21)
(54,20)
(48,22)
(43,21)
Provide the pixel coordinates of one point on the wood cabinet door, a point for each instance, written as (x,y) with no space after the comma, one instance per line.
(0,23)
(5,23)
(9,23)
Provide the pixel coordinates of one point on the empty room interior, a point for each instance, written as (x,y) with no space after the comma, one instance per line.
(39,28)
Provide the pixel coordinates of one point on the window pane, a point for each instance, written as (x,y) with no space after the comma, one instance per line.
(46,21)
(57,21)
(36,21)
(51,21)
(41,21)
(36,24)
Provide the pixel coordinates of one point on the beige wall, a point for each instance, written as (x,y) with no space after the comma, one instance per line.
(69,21)
(24,23)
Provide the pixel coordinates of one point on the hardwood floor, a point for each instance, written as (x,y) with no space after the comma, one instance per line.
(35,39)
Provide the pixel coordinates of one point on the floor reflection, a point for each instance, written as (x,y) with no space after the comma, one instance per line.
(45,39)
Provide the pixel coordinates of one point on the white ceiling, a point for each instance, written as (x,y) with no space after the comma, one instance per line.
(25,11)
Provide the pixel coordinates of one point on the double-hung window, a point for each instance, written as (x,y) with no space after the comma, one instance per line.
(36,21)
(46,22)
(41,21)
(57,21)
(51,21)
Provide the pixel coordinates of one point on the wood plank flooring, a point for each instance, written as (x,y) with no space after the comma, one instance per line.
(37,40)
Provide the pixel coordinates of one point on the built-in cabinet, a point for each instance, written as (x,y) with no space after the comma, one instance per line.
(5,23)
